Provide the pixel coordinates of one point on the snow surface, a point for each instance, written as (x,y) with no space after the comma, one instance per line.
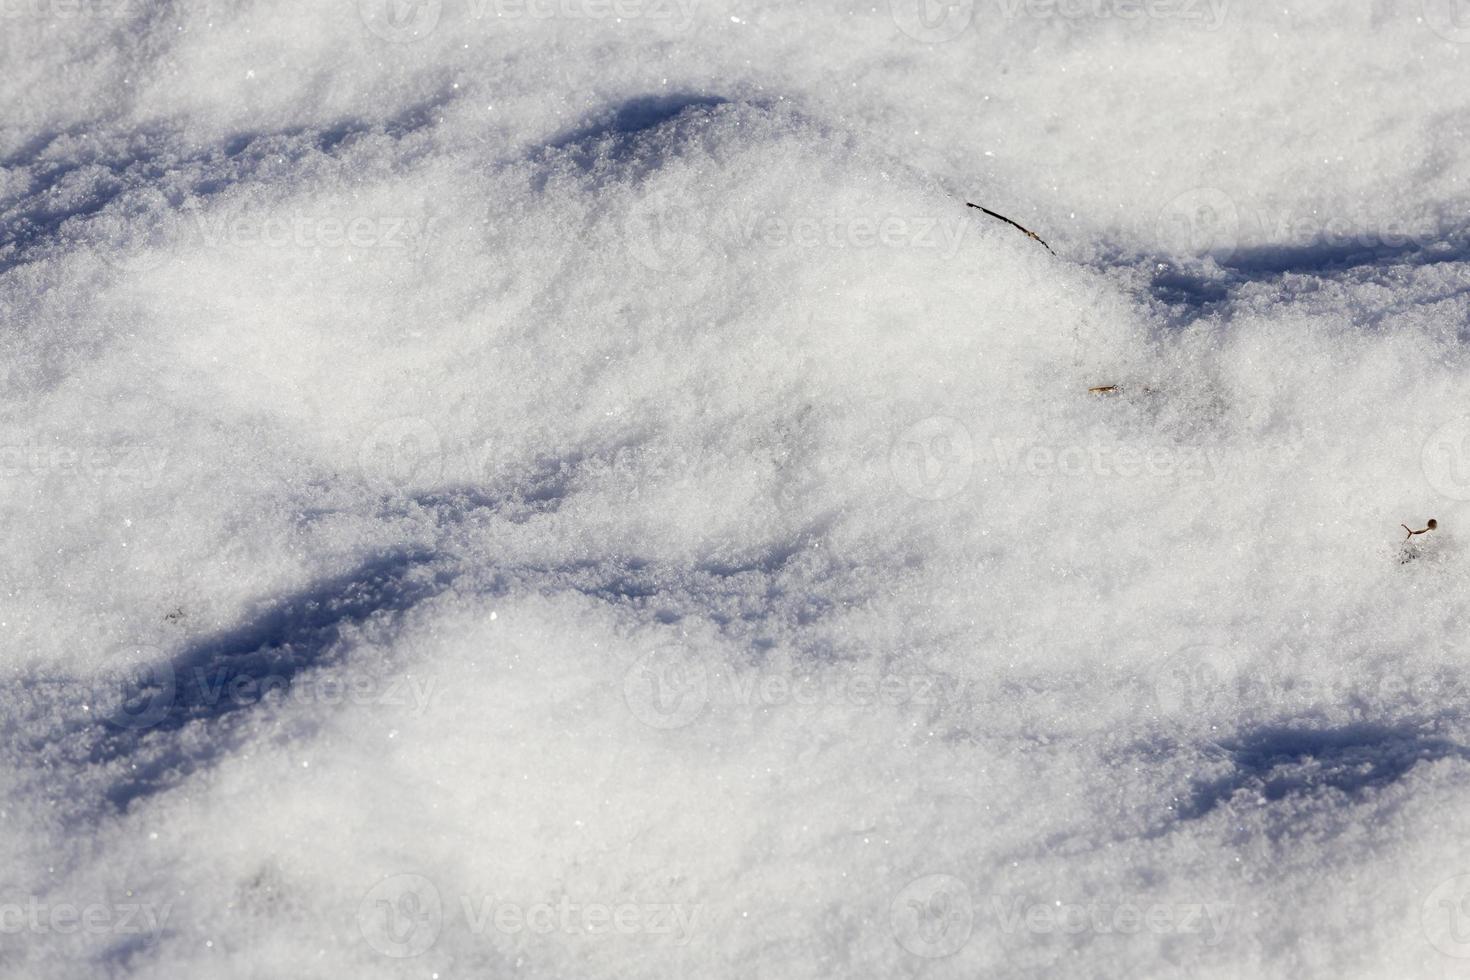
(566,488)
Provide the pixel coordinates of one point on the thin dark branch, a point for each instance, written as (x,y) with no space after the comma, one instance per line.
(1013,224)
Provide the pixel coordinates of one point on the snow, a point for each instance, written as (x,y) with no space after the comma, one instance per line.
(564,488)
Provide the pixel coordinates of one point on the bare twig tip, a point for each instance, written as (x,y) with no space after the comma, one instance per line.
(1013,224)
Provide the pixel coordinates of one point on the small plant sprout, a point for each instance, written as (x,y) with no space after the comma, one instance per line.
(1423,530)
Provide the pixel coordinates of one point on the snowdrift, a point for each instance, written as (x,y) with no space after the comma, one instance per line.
(457,532)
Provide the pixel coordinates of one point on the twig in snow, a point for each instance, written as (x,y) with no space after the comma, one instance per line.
(1423,530)
(1119,389)
(1013,224)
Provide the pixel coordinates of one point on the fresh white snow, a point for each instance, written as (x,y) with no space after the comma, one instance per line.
(564,488)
